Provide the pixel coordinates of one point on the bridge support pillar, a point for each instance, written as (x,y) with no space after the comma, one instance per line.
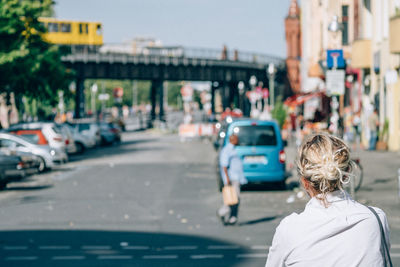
(79,98)
(153,100)
(214,86)
(160,85)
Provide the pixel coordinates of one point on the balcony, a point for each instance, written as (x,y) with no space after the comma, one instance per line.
(394,37)
(361,54)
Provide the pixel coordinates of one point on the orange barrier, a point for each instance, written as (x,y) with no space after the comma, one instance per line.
(195,130)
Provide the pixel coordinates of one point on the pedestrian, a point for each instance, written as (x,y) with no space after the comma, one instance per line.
(231,167)
(333,229)
(373,124)
(357,128)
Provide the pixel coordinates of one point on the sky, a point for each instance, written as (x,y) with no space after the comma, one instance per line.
(252,25)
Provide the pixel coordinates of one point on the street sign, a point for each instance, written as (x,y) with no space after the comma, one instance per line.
(335,84)
(104,97)
(335,59)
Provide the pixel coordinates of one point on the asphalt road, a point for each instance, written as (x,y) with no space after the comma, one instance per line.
(150,201)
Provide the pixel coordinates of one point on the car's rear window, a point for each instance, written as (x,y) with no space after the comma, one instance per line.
(83,126)
(256,135)
(32,138)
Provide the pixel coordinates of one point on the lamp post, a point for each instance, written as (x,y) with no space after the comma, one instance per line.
(271,77)
(335,27)
(93,96)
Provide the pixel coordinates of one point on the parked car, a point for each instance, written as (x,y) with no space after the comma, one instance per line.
(109,133)
(88,129)
(70,145)
(82,142)
(261,150)
(41,133)
(47,156)
(10,167)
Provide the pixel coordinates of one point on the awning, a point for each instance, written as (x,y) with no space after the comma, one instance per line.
(300,99)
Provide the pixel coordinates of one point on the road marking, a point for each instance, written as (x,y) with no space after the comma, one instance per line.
(54,247)
(22,258)
(222,247)
(260,255)
(62,258)
(180,247)
(136,247)
(15,247)
(395,255)
(260,247)
(96,247)
(160,257)
(211,256)
(395,246)
(115,257)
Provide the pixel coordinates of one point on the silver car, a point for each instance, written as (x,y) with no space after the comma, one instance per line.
(47,156)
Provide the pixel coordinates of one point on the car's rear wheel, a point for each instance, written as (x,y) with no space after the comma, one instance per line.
(42,165)
(80,148)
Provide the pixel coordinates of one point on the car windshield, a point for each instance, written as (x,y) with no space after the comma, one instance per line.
(260,135)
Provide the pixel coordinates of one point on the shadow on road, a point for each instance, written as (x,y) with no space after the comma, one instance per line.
(124,147)
(116,248)
(261,220)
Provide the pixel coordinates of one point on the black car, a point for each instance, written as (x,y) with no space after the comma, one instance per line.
(10,168)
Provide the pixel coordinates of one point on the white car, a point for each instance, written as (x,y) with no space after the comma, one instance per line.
(47,156)
(41,133)
(90,130)
(82,142)
(70,145)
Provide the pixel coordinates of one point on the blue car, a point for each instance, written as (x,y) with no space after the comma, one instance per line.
(261,149)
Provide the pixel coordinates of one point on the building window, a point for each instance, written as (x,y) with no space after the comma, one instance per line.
(345,25)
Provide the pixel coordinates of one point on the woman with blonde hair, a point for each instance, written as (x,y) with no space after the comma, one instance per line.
(333,229)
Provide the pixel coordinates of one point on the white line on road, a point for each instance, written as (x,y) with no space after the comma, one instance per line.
(15,247)
(260,247)
(63,258)
(136,247)
(54,247)
(180,247)
(395,246)
(96,247)
(210,256)
(223,247)
(22,258)
(260,255)
(115,257)
(395,255)
(160,257)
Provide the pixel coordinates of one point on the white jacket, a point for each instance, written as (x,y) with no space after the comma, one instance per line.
(344,234)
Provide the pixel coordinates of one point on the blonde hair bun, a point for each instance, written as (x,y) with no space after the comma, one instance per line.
(324,160)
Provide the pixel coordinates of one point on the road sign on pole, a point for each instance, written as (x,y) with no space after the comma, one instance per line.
(335,82)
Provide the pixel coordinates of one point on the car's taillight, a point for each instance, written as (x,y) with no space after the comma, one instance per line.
(20,165)
(282,156)
(67,142)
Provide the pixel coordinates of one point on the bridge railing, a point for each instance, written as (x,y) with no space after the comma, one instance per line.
(190,52)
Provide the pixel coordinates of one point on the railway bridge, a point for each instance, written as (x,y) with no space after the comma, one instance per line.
(223,68)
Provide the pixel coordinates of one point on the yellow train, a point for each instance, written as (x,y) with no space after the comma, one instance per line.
(77,34)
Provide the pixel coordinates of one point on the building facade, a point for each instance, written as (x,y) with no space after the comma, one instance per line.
(368,34)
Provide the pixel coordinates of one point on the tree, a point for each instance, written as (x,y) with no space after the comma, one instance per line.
(28,65)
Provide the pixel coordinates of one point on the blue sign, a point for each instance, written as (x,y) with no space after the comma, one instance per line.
(335,59)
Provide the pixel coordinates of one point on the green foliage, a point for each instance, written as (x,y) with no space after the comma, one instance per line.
(28,65)
(279,112)
(143,92)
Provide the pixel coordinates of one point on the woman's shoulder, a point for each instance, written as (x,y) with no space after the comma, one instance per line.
(288,222)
